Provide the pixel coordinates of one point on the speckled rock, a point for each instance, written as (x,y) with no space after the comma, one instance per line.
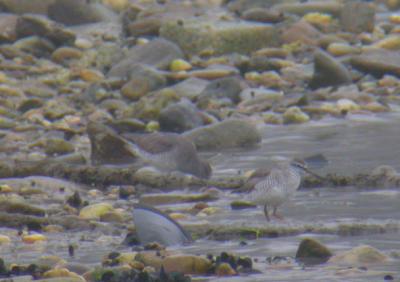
(195,37)
(360,255)
(358,17)
(328,71)
(158,53)
(180,117)
(311,251)
(230,133)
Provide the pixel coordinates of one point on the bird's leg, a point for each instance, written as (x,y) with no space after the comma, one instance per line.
(275,214)
(266,213)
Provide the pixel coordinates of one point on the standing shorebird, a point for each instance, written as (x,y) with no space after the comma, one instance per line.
(271,188)
(169,152)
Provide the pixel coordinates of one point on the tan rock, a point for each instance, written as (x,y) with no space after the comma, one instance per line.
(95,211)
(360,255)
(187,264)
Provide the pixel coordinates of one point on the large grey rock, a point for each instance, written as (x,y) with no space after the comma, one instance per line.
(378,62)
(196,36)
(358,17)
(180,117)
(360,255)
(158,53)
(328,71)
(226,134)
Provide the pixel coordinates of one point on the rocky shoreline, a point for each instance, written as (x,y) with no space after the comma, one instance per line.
(214,71)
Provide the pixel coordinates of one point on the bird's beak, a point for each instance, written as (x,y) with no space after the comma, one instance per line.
(313,174)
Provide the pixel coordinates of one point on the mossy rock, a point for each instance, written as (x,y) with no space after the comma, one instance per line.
(187,264)
(195,37)
(311,251)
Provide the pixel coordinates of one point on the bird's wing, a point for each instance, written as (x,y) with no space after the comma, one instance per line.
(257,176)
(154,143)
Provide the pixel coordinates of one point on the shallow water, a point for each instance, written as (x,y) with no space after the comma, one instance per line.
(352,146)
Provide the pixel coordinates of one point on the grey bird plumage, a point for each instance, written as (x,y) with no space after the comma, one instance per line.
(169,152)
(271,188)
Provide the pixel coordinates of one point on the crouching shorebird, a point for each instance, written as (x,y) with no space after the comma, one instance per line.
(271,188)
(169,152)
(165,151)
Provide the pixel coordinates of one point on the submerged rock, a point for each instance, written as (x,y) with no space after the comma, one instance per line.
(310,251)
(361,255)
(226,134)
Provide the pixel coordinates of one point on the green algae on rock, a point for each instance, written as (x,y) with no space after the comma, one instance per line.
(310,251)
(195,37)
